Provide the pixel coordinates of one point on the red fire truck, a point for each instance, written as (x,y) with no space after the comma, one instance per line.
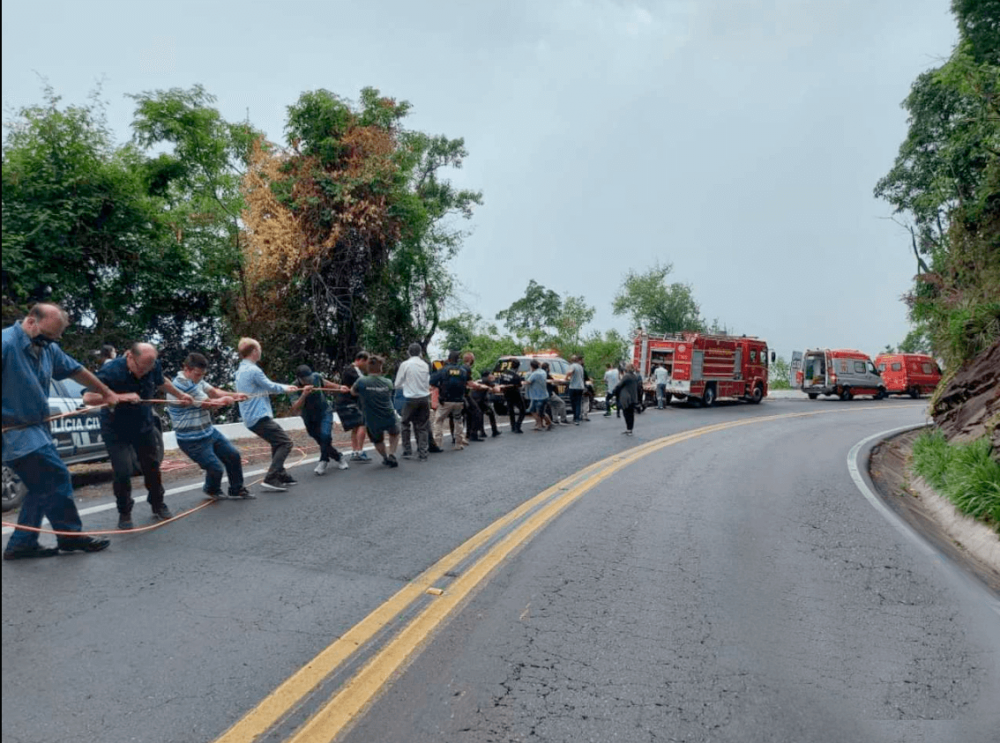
(705,368)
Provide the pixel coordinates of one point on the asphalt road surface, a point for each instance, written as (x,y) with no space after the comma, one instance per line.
(717,577)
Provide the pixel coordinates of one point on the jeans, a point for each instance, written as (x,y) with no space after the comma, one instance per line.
(213,454)
(661,395)
(50,494)
(576,402)
(398,400)
(281,444)
(417,416)
(120,452)
(320,430)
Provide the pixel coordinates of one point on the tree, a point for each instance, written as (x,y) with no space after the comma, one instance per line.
(530,316)
(945,188)
(468,332)
(655,305)
(83,225)
(348,231)
(777,374)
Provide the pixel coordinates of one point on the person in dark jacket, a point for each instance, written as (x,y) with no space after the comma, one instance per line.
(628,392)
(510,383)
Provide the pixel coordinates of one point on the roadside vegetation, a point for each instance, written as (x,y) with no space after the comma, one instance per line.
(963,473)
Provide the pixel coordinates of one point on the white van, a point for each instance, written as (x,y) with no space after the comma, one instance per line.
(842,372)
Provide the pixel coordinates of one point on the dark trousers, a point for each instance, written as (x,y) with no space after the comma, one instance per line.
(281,444)
(515,408)
(473,418)
(320,430)
(417,418)
(120,452)
(629,412)
(486,409)
(576,403)
(215,454)
(50,494)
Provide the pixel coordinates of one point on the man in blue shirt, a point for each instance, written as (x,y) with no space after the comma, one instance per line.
(137,376)
(31,359)
(258,416)
(538,392)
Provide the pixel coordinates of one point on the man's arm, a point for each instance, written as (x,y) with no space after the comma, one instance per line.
(300,401)
(264,383)
(185,398)
(104,393)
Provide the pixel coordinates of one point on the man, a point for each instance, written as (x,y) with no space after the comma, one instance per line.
(31,359)
(574,375)
(510,383)
(588,391)
(555,403)
(317,415)
(610,382)
(661,377)
(481,398)
(258,415)
(131,427)
(452,380)
(375,393)
(473,414)
(538,393)
(198,438)
(413,378)
(348,411)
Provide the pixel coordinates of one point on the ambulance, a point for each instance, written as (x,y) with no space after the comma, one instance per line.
(840,372)
(912,374)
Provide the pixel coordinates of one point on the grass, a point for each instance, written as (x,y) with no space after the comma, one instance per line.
(963,473)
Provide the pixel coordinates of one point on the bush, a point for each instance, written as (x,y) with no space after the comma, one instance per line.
(964,473)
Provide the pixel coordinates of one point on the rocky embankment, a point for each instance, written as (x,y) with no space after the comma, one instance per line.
(969,405)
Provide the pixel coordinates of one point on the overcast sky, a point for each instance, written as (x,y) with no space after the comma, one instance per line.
(738,140)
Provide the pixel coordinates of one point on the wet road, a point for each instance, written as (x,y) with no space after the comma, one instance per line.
(732,584)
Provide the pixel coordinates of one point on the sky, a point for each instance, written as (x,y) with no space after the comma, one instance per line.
(737,140)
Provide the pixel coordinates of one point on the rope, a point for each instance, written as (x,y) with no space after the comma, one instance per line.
(91,408)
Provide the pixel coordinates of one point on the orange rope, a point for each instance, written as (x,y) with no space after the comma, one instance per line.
(140,530)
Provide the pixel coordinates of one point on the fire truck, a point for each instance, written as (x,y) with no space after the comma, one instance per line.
(704,368)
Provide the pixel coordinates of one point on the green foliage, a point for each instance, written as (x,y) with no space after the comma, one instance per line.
(600,350)
(965,474)
(777,374)
(468,332)
(946,182)
(655,305)
(532,315)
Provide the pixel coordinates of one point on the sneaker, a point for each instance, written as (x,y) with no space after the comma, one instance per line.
(363,457)
(287,479)
(422,457)
(125,522)
(162,513)
(273,483)
(28,551)
(244,494)
(435,449)
(342,465)
(496,433)
(213,496)
(321,468)
(393,462)
(477,440)
(407,455)
(83,544)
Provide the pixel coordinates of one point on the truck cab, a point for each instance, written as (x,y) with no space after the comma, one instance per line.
(840,372)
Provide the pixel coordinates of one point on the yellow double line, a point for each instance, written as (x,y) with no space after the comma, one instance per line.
(352,698)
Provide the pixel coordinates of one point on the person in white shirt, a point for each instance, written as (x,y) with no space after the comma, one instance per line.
(661,377)
(611,377)
(413,378)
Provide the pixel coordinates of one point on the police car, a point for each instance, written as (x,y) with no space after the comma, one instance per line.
(558,366)
(77,438)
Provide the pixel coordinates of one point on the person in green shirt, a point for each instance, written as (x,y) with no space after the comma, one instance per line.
(375,394)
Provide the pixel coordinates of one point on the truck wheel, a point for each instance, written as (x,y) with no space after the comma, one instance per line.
(757,395)
(813,395)
(708,399)
(846,394)
(14,490)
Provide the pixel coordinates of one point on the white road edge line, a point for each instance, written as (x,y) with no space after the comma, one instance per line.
(901,526)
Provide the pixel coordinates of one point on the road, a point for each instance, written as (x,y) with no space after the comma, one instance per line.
(718,577)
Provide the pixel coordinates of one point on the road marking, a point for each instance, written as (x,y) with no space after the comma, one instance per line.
(894,519)
(351,699)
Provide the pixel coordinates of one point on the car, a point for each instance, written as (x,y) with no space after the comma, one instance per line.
(558,366)
(77,438)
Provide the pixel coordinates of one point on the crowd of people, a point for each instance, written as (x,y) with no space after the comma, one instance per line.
(419,409)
